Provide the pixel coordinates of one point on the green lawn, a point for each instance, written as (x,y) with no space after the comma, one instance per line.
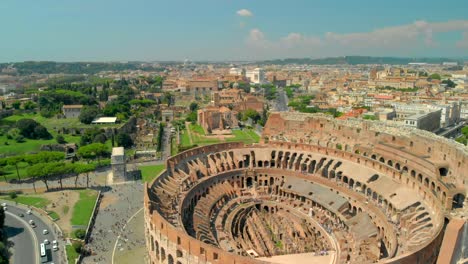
(245,135)
(174,149)
(202,140)
(71,254)
(54,215)
(150,172)
(197,129)
(34,201)
(83,209)
(184,138)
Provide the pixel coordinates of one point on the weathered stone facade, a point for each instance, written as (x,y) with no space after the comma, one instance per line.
(358,191)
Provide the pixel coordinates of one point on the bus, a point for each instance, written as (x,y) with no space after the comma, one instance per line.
(43,252)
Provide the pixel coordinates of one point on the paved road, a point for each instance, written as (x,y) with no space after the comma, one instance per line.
(124,201)
(23,239)
(21,246)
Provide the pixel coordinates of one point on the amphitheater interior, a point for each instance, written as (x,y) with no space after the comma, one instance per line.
(314,190)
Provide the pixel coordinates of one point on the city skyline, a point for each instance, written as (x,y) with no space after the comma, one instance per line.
(229,30)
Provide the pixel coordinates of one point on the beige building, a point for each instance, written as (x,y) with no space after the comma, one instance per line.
(72,111)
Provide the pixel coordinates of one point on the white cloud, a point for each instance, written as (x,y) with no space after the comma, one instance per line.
(388,40)
(244,13)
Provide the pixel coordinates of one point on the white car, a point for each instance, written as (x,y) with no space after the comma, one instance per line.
(4,204)
(45,232)
(31,222)
(55,245)
(46,242)
(29,212)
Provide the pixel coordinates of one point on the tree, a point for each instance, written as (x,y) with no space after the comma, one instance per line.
(16,104)
(100,138)
(2,217)
(60,139)
(38,171)
(252,114)
(32,129)
(88,114)
(4,174)
(84,168)
(13,161)
(449,83)
(93,151)
(124,140)
(80,233)
(44,157)
(193,106)
(435,76)
(191,117)
(29,105)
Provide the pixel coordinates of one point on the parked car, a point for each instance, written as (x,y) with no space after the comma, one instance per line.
(45,232)
(55,245)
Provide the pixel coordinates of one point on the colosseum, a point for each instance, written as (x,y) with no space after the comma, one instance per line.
(314,190)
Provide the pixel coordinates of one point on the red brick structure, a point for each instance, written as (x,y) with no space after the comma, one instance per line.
(354,190)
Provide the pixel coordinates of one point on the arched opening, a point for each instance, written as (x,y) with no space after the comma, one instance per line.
(179,254)
(404,169)
(443,171)
(382,160)
(170,259)
(390,163)
(249,182)
(163,254)
(373,157)
(260,164)
(420,177)
(397,166)
(413,173)
(458,200)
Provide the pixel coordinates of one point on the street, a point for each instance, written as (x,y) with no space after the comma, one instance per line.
(26,239)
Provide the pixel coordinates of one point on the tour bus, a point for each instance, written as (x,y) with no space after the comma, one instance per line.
(43,252)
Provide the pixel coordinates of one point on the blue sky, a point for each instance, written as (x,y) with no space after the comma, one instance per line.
(109,30)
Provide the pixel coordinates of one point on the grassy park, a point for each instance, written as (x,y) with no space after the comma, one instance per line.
(150,172)
(196,135)
(53,124)
(35,201)
(83,209)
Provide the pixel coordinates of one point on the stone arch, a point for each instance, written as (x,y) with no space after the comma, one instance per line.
(179,253)
(170,259)
(458,200)
(390,163)
(382,159)
(443,171)
(413,173)
(404,169)
(163,254)
(397,166)
(345,179)
(420,177)
(374,156)
(249,182)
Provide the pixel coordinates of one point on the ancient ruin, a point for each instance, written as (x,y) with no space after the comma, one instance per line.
(315,188)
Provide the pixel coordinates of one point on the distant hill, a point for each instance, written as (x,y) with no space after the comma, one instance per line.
(51,67)
(354,60)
